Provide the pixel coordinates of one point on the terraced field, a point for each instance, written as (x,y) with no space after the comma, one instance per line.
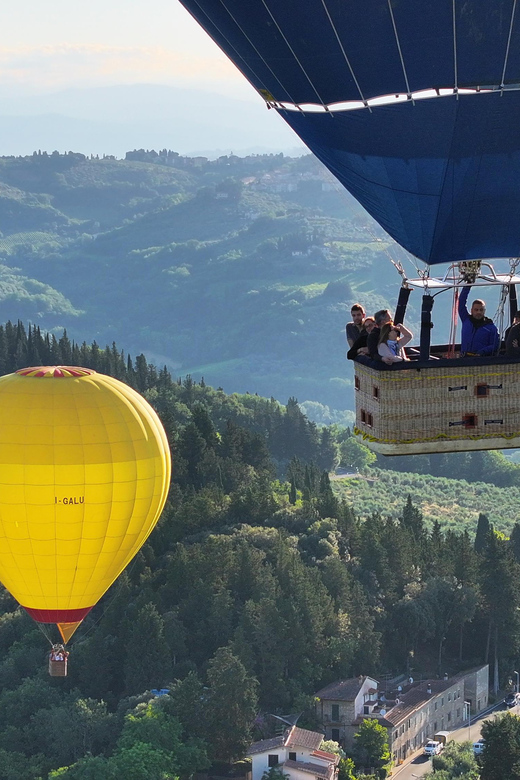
(453,503)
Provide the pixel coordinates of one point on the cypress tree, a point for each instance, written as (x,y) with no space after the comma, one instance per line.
(4,353)
(191,448)
(296,472)
(188,704)
(412,519)
(65,349)
(500,587)
(85,355)
(292,492)
(483,528)
(148,663)
(515,541)
(231,707)
(188,390)
(55,352)
(202,420)
(76,355)
(130,372)
(327,504)
(141,373)
(20,357)
(10,333)
(328,450)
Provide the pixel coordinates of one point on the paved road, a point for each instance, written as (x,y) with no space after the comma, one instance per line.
(420,765)
(352,475)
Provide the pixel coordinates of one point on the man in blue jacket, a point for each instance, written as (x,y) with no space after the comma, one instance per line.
(479,334)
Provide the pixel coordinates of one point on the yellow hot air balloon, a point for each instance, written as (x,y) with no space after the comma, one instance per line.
(84,475)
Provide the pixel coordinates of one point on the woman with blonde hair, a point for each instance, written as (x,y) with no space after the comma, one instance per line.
(391,342)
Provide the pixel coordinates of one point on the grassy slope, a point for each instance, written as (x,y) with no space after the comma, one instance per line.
(454,503)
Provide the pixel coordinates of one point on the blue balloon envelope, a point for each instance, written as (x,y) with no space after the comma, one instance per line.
(440,171)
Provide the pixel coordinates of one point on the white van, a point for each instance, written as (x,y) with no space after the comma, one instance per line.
(478,747)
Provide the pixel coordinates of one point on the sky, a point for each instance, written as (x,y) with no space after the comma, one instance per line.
(58,44)
(69,70)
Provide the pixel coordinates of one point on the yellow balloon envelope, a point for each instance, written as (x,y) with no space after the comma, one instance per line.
(84,476)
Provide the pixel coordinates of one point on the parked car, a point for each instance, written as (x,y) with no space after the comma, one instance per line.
(433,748)
(478,747)
(512,699)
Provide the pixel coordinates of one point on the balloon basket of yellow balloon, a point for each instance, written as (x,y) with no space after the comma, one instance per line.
(58,661)
(58,668)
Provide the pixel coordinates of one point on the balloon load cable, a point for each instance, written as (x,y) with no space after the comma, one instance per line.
(340,190)
(453,324)
(109,600)
(45,632)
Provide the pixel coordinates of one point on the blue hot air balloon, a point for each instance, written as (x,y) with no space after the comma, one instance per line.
(414,106)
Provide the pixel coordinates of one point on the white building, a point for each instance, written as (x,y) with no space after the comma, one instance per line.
(296,753)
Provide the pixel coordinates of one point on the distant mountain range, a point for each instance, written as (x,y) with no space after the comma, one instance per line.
(112,120)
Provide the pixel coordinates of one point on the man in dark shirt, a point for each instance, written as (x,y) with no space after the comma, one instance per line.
(381,317)
(355,327)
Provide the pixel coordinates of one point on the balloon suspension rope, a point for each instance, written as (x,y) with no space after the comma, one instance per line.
(453,324)
(340,190)
(499,317)
(108,603)
(46,633)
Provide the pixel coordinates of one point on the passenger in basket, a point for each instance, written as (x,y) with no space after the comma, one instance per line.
(391,342)
(516,321)
(381,317)
(479,336)
(513,338)
(354,328)
(359,347)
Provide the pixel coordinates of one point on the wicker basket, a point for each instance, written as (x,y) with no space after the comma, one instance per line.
(58,668)
(452,408)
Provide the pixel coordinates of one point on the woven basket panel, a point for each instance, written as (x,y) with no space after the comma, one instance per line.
(419,405)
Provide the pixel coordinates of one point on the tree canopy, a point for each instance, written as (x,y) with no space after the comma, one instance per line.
(260,585)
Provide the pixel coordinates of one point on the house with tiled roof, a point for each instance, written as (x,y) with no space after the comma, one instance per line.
(411,715)
(342,702)
(297,753)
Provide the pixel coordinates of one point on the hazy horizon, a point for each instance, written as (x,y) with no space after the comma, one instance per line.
(112,119)
(66,51)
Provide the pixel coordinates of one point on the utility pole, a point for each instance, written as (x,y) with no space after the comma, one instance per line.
(467,705)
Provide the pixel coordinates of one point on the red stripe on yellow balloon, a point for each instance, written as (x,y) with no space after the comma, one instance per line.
(55,371)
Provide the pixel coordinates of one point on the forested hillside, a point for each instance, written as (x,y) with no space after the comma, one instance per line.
(260,585)
(241,270)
